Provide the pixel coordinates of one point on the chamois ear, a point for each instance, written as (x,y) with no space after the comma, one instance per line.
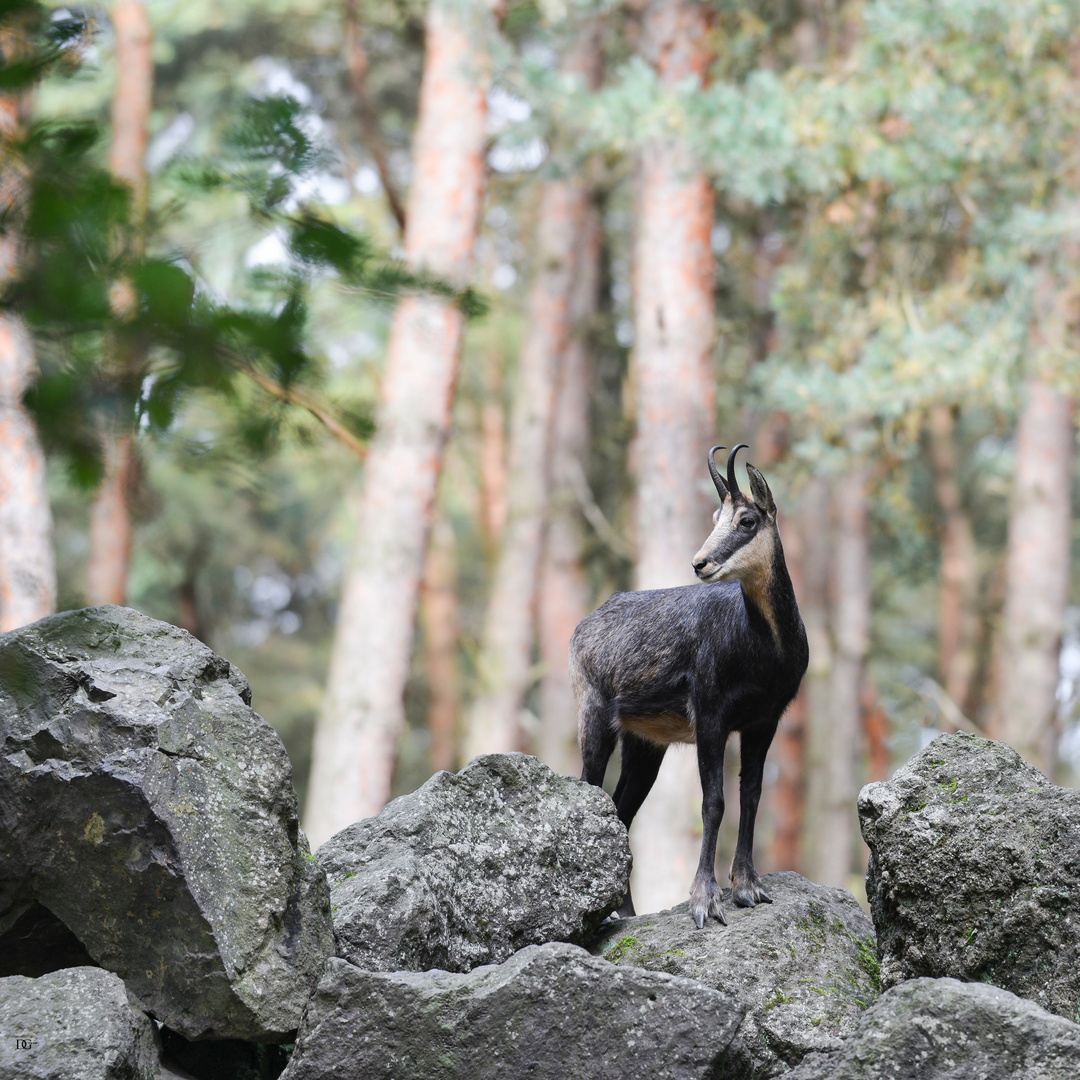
(760,490)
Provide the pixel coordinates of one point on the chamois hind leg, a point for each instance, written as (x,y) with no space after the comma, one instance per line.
(596,737)
(705,895)
(746,887)
(640,765)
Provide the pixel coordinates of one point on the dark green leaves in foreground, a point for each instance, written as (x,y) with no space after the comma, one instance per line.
(124,338)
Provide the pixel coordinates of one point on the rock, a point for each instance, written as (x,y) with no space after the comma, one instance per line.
(147,807)
(475,865)
(75,1024)
(942,1029)
(550,1011)
(975,872)
(802,968)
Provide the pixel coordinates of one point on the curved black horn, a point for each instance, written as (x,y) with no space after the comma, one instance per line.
(732,483)
(714,472)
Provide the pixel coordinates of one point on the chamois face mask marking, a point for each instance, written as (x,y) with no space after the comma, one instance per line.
(735,546)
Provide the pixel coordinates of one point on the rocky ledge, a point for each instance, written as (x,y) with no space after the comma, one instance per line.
(161,915)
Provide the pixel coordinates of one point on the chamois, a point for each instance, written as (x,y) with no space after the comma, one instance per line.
(692,665)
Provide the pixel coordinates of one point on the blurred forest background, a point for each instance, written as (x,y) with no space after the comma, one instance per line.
(376,342)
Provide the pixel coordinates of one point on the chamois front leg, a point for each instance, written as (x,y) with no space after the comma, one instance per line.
(746,887)
(705,895)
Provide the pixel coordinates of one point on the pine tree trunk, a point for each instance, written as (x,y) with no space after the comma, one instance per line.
(110,521)
(27,562)
(958,619)
(361,720)
(356,64)
(439,610)
(110,514)
(850,603)
(875,725)
(505,658)
(815,528)
(674,392)
(1036,575)
(564,593)
(131,102)
(493,454)
(187,604)
(506,643)
(788,795)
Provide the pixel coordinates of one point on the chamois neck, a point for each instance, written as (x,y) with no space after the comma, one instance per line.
(768,592)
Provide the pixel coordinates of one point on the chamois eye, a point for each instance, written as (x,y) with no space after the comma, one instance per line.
(747,522)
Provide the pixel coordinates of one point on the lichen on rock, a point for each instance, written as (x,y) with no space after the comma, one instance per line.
(943,1029)
(975,872)
(75,1024)
(473,866)
(151,810)
(802,968)
(548,1013)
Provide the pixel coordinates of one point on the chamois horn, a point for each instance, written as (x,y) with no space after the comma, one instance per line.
(714,472)
(732,483)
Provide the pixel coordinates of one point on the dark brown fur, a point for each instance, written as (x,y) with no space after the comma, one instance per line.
(694,664)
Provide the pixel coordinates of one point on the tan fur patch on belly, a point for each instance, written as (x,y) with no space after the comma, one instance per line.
(663,729)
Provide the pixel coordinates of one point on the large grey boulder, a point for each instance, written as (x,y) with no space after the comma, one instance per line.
(475,865)
(551,1012)
(802,969)
(943,1029)
(975,872)
(147,806)
(75,1024)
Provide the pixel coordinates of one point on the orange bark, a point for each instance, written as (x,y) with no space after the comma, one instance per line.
(187,602)
(505,657)
(110,515)
(440,610)
(958,620)
(27,564)
(356,63)
(362,717)
(850,610)
(875,724)
(786,803)
(787,799)
(110,523)
(674,390)
(493,454)
(506,643)
(814,544)
(131,101)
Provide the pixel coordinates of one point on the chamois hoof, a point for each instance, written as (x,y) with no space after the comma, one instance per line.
(748,893)
(705,900)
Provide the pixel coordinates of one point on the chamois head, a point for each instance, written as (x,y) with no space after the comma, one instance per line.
(742,543)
